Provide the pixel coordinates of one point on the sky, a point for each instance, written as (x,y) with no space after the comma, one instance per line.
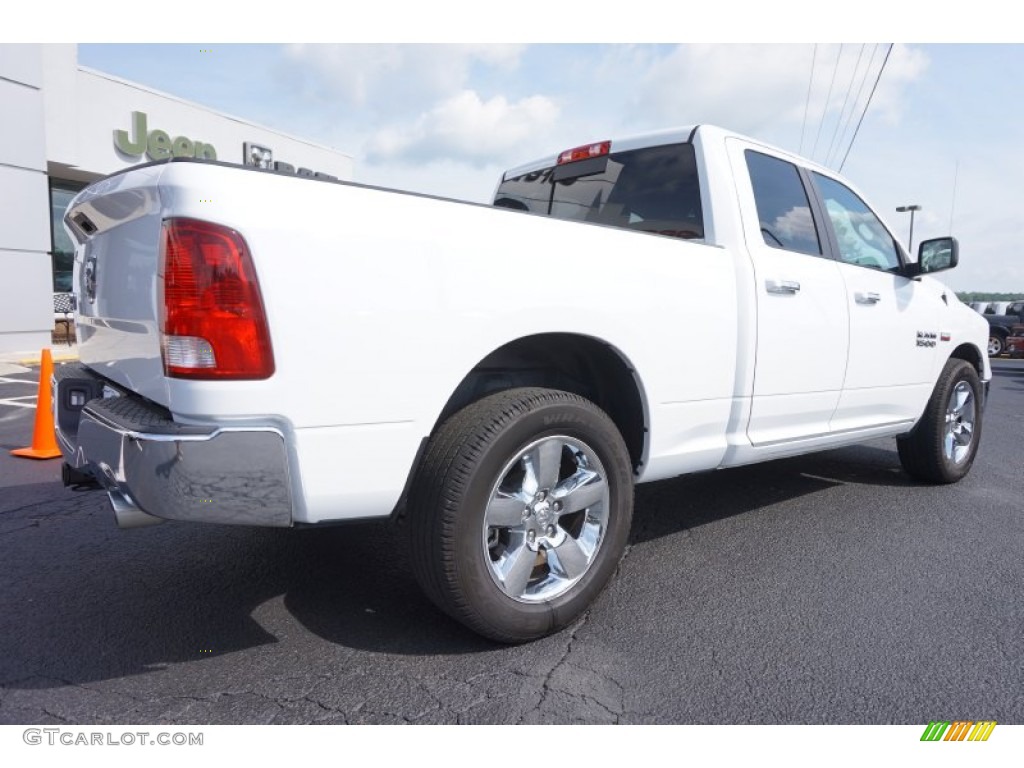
(943,129)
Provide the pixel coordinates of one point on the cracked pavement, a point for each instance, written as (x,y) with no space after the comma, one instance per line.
(824,589)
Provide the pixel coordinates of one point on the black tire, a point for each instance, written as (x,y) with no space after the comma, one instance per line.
(494,458)
(940,450)
(996,344)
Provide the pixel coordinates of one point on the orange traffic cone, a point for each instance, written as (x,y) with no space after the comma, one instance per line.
(44,437)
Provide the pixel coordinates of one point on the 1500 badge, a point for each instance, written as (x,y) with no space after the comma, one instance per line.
(926,339)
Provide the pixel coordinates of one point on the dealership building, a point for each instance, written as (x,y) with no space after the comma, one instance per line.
(65,126)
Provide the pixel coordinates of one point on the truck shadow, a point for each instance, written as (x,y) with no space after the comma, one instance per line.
(84,602)
(87,602)
(394,604)
(709,497)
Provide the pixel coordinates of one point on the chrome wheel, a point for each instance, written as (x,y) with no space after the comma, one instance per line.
(944,443)
(520,511)
(960,418)
(995,346)
(545,519)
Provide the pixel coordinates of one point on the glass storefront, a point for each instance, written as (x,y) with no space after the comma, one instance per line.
(63,250)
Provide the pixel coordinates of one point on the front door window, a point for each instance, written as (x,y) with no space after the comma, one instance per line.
(863,239)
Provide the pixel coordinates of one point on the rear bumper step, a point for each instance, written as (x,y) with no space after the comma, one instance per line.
(154,468)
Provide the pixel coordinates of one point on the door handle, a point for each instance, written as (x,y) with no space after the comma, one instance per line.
(782,286)
(867,298)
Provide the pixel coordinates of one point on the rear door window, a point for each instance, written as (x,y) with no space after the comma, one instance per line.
(783,210)
(653,190)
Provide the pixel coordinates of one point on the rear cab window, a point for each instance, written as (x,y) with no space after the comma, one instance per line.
(653,189)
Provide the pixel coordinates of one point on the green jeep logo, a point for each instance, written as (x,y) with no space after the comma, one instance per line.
(157,144)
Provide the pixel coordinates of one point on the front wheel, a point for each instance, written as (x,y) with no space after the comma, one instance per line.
(996,344)
(520,512)
(942,447)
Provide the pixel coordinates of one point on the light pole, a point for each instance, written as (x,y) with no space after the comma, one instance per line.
(904,209)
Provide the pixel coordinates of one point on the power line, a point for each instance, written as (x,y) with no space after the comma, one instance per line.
(824,110)
(856,100)
(866,105)
(952,205)
(846,100)
(807,103)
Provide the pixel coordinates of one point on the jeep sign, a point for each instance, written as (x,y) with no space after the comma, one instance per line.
(157,144)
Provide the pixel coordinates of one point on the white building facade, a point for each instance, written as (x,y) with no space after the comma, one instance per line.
(64,126)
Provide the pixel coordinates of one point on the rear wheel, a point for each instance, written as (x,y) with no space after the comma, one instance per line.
(942,447)
(520,512)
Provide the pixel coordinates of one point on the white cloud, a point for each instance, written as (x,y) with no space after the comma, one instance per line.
(767,90)
(413,104)
(419,103)
(742,87)
(465,127)
(392,79)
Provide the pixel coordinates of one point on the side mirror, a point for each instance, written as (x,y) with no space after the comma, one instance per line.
(936,255)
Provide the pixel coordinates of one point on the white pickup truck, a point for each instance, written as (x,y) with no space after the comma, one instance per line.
(262,349)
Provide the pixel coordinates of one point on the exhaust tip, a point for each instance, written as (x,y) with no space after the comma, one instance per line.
(127,514)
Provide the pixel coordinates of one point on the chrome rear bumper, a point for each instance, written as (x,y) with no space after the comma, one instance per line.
(151,465)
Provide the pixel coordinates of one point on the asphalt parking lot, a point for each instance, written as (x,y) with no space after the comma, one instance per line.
(824,589)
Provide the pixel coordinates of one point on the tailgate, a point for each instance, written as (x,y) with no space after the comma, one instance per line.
(115,224)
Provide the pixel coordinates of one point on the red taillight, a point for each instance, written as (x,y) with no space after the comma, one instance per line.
(585,152)
(213,325)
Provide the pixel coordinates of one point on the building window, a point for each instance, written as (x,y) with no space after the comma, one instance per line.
(63,249)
